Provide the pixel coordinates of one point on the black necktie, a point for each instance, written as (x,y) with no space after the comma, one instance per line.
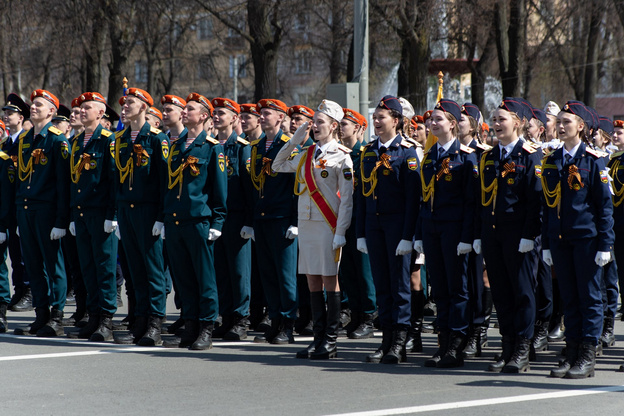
(317,153)
(568,157)
(440,152)
(503,154)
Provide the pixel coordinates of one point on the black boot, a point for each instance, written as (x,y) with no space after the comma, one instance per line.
(4,325)
(397,353)
(271,332)
(223,329)
(473,345)
(540,338)
(414,339)
(501,360)
(327,348)
(519,362)
(443,343)
(54,327)
(319,317)
(454,356)
(119,298)
(138,328)
(386,342)
(265,323)
(557,333)
(608,337)
(86,331)
(25,304)
(204,339)
(151,338)
(42,316)
(17,296)
(571,354)
(285,335)
(75,318)
(302,323)
(366,328)
(104,331)
(238,330)
(188,335)
(177,325)
(585,362)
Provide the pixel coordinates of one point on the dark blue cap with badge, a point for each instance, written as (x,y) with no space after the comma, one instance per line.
(390,102)
(15,103)
(606,125)
(471,110)
(512,105)
(527,108)
(62,114)
(540,115)
(596,118)
(449,106)
(579,109)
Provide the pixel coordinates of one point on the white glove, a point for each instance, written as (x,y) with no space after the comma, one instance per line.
(157,228)
(117,233)
(300,134)
(17,231)
(602,258)
(213,234)
(247,233)
(292,232)
(463,248)
(162,234)
(2,238)
(547,257)
(361,245)
(109,226)
(72,228)
(339,241)
(57,233)
(404,247)
(418,246)
(476,246)
(526,245)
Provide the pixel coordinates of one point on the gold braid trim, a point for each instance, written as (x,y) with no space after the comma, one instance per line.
(619,193)
(83,163)
(552,197)
(124,171)
(384,159)
(298,179)
(24,172)
(492,187)
(176,177)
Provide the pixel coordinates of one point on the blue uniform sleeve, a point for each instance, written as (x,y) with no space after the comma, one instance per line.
(412,188)
(603,205)
(533,197)
(62,173)
(244,161)
(470,189)
(216,188)
(162,152)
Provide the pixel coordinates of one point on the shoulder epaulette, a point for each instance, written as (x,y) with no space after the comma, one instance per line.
(595,153)
(528,148)
(54,130)
(4,156)
(407,144)
(21,136)
(212,140)
(120,133)
(106,133)
(155,130)
(344,148)
(484,147)
(466,149)
(242,141)
(285,138)
(616,154)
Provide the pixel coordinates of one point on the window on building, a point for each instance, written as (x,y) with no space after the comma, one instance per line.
(204,28)
(233,33)
(240,62)
(302,62)
(140,71)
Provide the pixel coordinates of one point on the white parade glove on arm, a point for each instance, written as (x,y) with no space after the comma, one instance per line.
(361,245)
(292,232)
(602,258)
(157,228)
(404,247)
(247,232)
(476,246)
(213,234)
(463,248)
(109,226)
(547,257)
(300,134)
(2,238)
(72,228)
(418,246)
(526,245)
(57,233)
(339,241)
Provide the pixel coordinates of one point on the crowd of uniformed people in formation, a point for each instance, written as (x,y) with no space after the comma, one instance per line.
(283,219)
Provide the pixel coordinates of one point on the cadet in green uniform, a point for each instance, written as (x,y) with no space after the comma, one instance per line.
(42,199)
(93,220)
(195,209)
(140,153)
(233,251)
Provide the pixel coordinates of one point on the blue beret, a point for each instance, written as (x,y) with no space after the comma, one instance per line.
(540,115)
(471,110)
(449,106)
(390,102)
(606,124)
(512,105)
(579,109)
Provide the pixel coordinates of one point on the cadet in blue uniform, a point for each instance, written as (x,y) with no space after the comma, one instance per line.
(386,219)
(446,228)
(275,225)
(7,190)
(140,152)
(510,204)
(93,219)
(42,199)
(195,210)
(617,173)
(577,235)
(232,250)
(355,272)
(16,111)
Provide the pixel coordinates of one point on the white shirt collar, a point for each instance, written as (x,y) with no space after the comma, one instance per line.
(572,152)
(446,147)
(509,148)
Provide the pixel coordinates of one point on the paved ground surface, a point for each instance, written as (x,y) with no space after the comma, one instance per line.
(72,377)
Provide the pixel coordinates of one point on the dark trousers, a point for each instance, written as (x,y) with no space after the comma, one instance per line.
(609,288)
(544,296)
(476,288)
(355,276)
(19,277)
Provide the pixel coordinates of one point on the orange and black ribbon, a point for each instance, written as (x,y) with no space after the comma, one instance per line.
(384,159)
(191,164)
(266,166)
(37,155)
(322,163)
(85,160)
(139,151)
(444,168)
(14,159)
(508,168)
(572,174)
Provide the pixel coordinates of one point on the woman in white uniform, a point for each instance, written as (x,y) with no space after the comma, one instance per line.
(324,173)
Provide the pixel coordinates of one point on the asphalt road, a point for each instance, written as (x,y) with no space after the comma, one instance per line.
(72,377)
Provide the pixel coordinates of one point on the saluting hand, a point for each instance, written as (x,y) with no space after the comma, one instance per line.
(300,134)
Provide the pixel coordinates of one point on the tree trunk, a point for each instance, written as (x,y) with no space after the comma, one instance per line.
(591,58)
(264,47)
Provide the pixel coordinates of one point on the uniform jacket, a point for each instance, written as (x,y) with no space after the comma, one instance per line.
(333,172)
(49,181)
(586,208)
(239,187)
(203,191)
(616,170)
(398,189)
(8,176)
(454,192)
(97,180)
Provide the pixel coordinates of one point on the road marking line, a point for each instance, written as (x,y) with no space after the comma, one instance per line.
(485,402)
